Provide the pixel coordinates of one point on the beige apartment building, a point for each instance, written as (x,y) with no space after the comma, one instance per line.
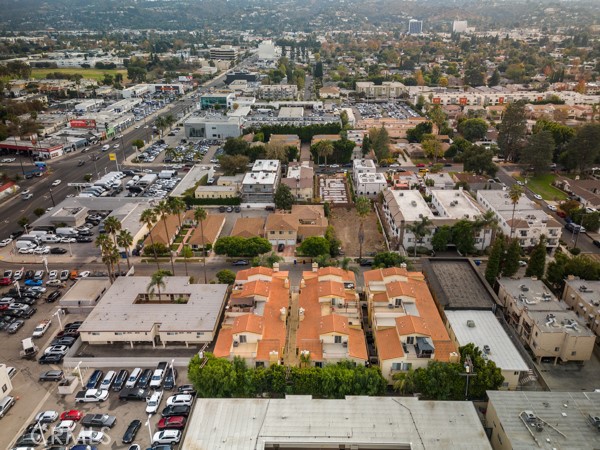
(583,297)
(547,326)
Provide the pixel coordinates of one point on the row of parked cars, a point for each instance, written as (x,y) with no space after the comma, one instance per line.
(59,347)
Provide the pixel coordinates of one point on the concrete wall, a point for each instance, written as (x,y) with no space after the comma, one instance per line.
(5,383)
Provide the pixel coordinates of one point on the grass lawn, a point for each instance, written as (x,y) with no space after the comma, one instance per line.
(542,185)
(95,74)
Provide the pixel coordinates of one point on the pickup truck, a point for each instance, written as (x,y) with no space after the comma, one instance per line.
(98,421)
(91,395)
(41,328)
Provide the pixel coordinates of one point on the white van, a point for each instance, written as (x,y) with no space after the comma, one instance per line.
(133,377)
(50,239)
(25,244)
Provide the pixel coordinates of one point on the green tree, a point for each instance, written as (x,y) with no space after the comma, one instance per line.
(235,246)
(512,130)
(416,134)
(314,246)
(267,260)
(163,212)
(226,276)
(584,149)
(537,260)
(157,282)
(366,145)
(187,253)
(438,117)
(494,265)
(538,151)
(441,238)
(432,147)
(473,129)
(138,143)
(105,244)
(511,260)
(200,216)
(148,218)
(323,149)
(39,212)
(233,164)
(125,240)
(494,80)
(390,259)
(488,377)
(478,160)
(514,194)
(363,208)
(420,229)
(283,198)
(474,72)
(215,379)
(463,236)
(380,142)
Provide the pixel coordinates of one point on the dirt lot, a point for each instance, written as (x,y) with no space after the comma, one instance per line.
(346,223)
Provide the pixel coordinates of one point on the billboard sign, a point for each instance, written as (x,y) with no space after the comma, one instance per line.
(82,123)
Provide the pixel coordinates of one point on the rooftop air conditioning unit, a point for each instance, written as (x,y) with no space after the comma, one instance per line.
(471,323)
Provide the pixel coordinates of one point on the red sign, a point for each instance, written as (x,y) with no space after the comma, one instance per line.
(83,123)
(436,100)
(540,99)
(463,100)
(501,100)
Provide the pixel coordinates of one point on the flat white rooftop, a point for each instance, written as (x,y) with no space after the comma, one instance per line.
(371,178)
(266,178)
(500,201)
(266,165)
(455,204)
(300,422)
(364,164)
(412,205)
(486,330)
(118,311)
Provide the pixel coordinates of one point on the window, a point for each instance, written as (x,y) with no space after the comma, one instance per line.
(536,333)
(573,353)
(4,388)
(319,364)
(118,333)
(398,302)
(95,333)
(410,340)
(172,333)
(260,364)
(556,349)
(242,339)
(337,339)
(396,366)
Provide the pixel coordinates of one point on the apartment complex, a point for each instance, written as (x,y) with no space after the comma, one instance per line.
(547,326)
(529,222)
(387,89)
(330,328)
(300,180)
(254,327)
(583,297)
(303,221)
(415,26)
(278,92)
(403,208)
(367,181)
(406,324)
(259,185)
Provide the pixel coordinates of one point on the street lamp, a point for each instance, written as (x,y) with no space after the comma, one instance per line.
(52,198)
(57,314)
(149,426)
(468,373)
(78,369)
(45,261)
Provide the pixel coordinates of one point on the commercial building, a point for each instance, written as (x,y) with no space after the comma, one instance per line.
(482,329)
(223,53)
(176,313)
(330,328)
(357,422)
(544,420)
(387,89)
(267,51)
(213,126)
(84,295)
(259,185)
(406,324)
(415,26)
(278,92)
(583,298)
(251,77)
(529,222)
(552,332)
(219,99)
(459,26)
(254,327)
(212,191)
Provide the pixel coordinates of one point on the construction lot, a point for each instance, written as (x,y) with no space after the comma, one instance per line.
(346,224)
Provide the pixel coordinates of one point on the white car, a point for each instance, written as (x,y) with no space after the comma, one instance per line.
(105,147)
(65,426)
(8,160)
(166,437)
(84,274)
(68,240)
(18,274)
(46,416)
(42,250)
(116,146)
(53,274)
(50,208)
(552,208)
(137,127)
(154,402)
(180,399)
(90,437)
(64,275)
(54,283)
(56,182)
(25,251)
(41,289)
(520,183)
(537,197)
(5,242)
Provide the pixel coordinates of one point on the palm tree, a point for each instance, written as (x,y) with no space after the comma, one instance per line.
(171,153)
(200,216)
(110,258)
(112,225)
(125,240)
(324,149)
(514,194)
(420,230)
(363,208)
(105,244)
(157,281)
(487,220)
(161,124)
(148,218)
(187,253)
(177,206)
(163,211)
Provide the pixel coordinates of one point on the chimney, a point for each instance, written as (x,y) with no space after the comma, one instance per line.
(283,313)
(301,314)
(286,283)
(276,267)
(302,283)
(315,267)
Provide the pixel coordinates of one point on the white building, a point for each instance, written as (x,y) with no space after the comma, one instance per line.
(483,329)
(259,185)
(530,222)
(223,53)
(415,26)
(363,166)
(369,184)
(213,126)
(459,26)
(387,89)
(267,51)
(5,383)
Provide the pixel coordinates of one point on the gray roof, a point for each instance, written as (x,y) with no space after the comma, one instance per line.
(380,422)
(567,412)
(456,284)
(116,311)
(486,331)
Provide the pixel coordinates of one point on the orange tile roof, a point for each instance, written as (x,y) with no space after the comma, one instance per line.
(159,234)
(400,288)
(333,323)
(330,288)
(248,227)
(252,288)
(248,323)
(347,276)
(408,325)
(223,344)
(388,344)
(381,297)
(281,222)
(211,227)
(274,327)
(357,344)
(382,274)
(258,270)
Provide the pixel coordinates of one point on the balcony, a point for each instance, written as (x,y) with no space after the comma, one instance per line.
(334,352)
(246,351)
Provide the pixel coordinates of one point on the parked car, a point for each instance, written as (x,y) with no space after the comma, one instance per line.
(172,423)
(94,379)
(134,394)
(145,378)
(154,402)
(180,399)
(90,437)
(131,431)
(72,414)
(58,251)
(120,380)
(98,421)
(15,326)
(241,262)
(52,358)
(187,389)
(176,410)
(52,375)
(46,416)
(166,437)
(170,378)
(53,296)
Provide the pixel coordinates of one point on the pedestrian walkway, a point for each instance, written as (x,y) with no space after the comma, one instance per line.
(290,356)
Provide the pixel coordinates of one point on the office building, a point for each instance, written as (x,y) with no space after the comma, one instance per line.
(415,26)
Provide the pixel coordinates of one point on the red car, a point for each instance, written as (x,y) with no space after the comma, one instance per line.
(5,281)
(420,165)
(171,423)
(71,415)
(560,213)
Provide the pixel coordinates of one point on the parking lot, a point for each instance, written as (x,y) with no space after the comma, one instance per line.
(390,109)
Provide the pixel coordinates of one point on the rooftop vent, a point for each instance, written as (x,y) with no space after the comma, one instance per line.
(471,323)
(524,288)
